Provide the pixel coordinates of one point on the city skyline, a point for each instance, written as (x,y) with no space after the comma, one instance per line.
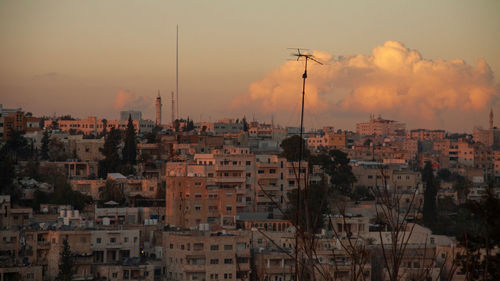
(57,61)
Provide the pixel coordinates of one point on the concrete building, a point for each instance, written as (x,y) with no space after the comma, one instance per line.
(15,120)
(135,115)
(191,201)
(147,188)
(379,126)
(94,126)
(207,256)
(111,246)
(425,134)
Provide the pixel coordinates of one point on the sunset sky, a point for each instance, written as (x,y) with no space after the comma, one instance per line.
(433,64)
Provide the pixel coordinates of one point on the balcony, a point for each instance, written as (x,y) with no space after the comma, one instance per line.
(268,176)
(200,268)
(230,168)
(43,244)
(230,180)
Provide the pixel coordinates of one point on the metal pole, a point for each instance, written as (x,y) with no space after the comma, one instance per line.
(301,151)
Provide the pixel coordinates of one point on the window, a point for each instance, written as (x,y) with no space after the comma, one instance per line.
(228,261)
(272,171)
(125,239)
(197,208)
(214,261)
(98,240)
(214,247)
(229,208)
(260,171)
(228,247)
(112,240)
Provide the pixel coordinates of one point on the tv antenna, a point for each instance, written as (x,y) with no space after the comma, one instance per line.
(306,56)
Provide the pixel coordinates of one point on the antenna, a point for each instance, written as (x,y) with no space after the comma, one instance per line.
(177,70)
(306,57)
(173,108)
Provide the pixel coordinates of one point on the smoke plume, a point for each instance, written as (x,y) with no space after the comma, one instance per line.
(125,100)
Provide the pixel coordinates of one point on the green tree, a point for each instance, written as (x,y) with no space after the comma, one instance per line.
(335,163)
(57,150)
(189,125)
(311,218)
(112,191)
(104,127)
(429,210)
(362,192)
(129,151)
(66,267)
(291,148)
(245,124)
(111,162)
(17,146)
(478,262)
(45,145)
(7,172)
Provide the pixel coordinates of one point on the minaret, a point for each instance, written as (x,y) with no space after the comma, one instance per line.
(158,109)
(491,119)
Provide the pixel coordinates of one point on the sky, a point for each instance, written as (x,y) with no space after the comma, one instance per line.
(430,64)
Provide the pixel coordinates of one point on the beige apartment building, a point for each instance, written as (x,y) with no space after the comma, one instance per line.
(191,201)
(379,126)
(111,246)
(207,256)
(132,187)
(94,126)
(330,140)
(425,134)
(21,273)
(260,181)
(396,178)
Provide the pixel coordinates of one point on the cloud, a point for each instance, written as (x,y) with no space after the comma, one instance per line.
(392,79)
(125,100)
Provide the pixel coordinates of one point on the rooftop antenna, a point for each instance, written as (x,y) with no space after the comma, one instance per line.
(177,70)
(306,57)
(173,108)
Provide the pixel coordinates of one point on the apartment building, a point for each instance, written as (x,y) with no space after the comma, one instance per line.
(111,246)
(331,140)
(396,177)
(191,201)
(131,187)
(425,134)
(94,126)
(207,256)
(51,244)
(15,120)
(21,273)
(379,126)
